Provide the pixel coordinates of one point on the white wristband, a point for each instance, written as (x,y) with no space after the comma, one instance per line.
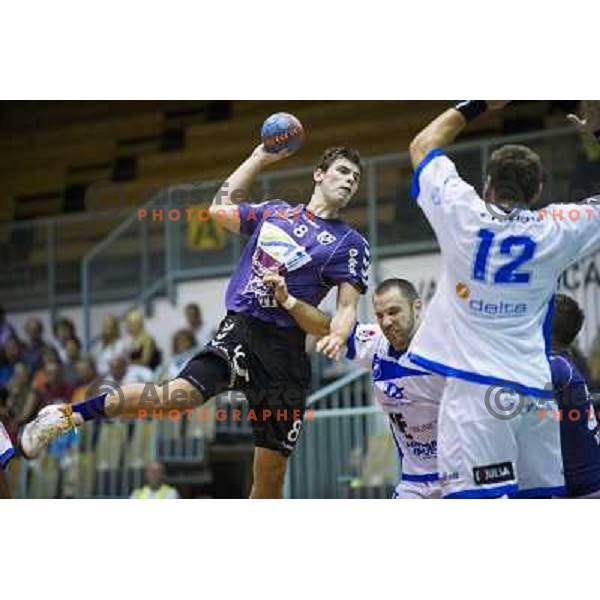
(290,302)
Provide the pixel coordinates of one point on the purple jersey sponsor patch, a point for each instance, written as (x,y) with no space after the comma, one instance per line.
(313,254)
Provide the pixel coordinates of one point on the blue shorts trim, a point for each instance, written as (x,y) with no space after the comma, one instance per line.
(4,458)
(420,478)
(542,492)
(477,378)
(415,187)
(505,490)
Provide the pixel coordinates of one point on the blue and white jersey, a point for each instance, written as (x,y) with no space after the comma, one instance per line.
(404,393)
(6,448)
(490,319)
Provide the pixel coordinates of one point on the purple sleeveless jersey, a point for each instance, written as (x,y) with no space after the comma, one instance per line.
(313,255)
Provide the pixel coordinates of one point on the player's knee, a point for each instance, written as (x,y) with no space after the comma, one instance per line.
(181,391)
(207,375)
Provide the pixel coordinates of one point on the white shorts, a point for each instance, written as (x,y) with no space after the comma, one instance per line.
(417,490)
(6,448)
(493,442)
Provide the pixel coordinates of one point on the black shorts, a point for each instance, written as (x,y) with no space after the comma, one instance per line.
(269,365)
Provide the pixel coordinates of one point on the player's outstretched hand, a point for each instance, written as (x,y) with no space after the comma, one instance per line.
(269,158)
(331,346)
(277,282)
(589,121)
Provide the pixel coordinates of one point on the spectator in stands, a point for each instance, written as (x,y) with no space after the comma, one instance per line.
(35,346)
(122,372)
(64,330)
(22,400)
(155,488)
(184,347)
(49,355)
(73,354)
(88,376)
(141,348)
(10,356)
(6,329)
(55,390)
(111,344)
(193,315)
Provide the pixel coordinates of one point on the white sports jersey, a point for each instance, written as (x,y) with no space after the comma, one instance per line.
(404,393)
(490,319)
(6,448)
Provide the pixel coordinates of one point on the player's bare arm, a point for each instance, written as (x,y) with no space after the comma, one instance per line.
(308,317)
(237,187)
(443,130)
(332,345)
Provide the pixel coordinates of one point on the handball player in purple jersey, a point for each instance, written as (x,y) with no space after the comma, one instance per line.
(259,348)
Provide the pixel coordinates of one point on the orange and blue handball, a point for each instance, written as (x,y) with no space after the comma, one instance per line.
(282,130)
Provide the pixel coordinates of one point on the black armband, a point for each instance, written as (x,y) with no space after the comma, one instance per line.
(471,109)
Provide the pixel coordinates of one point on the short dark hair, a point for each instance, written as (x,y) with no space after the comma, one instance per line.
(515,174)
(403,285)
(332,154)
(567,319)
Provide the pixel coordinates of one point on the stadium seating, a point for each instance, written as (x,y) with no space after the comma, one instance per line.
(40,166)
(47,167)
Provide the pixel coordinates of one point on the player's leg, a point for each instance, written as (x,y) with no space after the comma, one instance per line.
(269,473)
(199,381)
(213,370)
(276,430)
(201,378)
(540,465)
(139,399)
(477,450)
(280,377)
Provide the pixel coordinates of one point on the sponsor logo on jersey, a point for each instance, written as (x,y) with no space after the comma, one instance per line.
(364,334)
(392,391)
(492,309)
(275,251)
(423,450)
(497,473)
(462,290)
(352,261)
(326,238)
(482,307)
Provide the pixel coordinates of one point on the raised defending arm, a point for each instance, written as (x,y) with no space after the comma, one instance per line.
(443,130)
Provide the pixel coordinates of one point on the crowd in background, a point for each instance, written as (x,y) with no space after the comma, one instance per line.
(36,370)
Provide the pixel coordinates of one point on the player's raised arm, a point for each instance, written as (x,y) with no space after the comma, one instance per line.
(309,318)
(332,345)
(443,130)
(237,187)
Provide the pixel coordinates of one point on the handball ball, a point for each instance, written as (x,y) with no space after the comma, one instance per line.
(280,131)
